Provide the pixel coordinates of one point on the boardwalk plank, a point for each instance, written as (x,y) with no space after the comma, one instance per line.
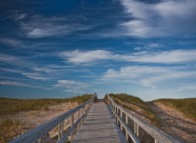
(99,127)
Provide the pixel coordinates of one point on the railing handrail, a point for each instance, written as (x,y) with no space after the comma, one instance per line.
(156,133)
(38,132)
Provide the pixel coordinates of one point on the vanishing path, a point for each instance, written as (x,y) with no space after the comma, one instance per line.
(99,127)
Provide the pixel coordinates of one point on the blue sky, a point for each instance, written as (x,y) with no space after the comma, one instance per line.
(58,49)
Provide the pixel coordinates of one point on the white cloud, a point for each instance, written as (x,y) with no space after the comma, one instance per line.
(21,62)
(72,86)
(86,56)
(148,46)
(20,84)
(10,70)
(47,69)
(153,45)
(186,87)
(166,57)
(39,26)
(14,83)
(11,42)
(20,16)
(36,76)
(147,75)
(134,72)
(36,30)
(151,81)
(9,59)
(169,17)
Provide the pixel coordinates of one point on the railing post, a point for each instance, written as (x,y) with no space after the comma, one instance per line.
(126,135)
(121,114)
(39,140)
(72,122)
(78,126)
(84,112)
(113,109)
(118,111)
(116,115)
(60,130)
(136,129)
(126,121)
(155,141)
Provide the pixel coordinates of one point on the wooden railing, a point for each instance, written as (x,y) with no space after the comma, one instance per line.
(119,112)
(63,126)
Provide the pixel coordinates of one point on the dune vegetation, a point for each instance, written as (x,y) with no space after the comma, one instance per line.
(136,105)
(186,106)
(8,105)
(11,126)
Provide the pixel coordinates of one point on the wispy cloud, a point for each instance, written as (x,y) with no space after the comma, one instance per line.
(10,59)
(11,42)
(36,76)
(166,57)
(148,46)
(27,68)
(72,86)
(19,16)
(9,70)
(46,69)
(186,87)
(36,30)
(169,17)
(147,75)
(16,83)
(77,56)
(39,26)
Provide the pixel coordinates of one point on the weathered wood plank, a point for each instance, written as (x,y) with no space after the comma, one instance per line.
(99,127)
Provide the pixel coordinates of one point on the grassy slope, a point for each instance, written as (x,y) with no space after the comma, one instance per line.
(137,105)
(10,127)
(8,106)
(186,106)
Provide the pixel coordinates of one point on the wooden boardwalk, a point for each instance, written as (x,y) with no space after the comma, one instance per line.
(99,127)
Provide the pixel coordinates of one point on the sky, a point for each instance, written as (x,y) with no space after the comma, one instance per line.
(64,48)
